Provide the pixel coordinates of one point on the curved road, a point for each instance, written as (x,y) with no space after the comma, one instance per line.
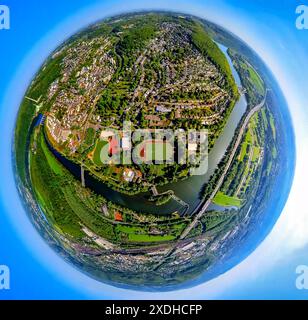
(204,207)
(221,180)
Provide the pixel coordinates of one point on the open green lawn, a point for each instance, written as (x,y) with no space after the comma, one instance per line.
(149,238)
(97,152)
(140,233)
(129,229)
(223,200)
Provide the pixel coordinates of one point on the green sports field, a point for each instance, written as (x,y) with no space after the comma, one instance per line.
(97,152)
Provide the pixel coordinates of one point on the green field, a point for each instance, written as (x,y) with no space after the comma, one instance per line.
(129,229)
(223,200)
(140,233)
(97,152)
(149,238)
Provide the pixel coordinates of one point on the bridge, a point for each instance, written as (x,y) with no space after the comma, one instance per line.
(154,190)
(83,181)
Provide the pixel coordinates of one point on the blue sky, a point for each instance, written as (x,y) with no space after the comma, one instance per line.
(37,27)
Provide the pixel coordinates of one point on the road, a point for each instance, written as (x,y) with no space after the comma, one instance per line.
(227,167)
(204,207)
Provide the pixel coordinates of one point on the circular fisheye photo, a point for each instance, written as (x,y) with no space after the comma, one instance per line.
(153,150)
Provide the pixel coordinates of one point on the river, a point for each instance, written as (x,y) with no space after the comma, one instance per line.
(188,190)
